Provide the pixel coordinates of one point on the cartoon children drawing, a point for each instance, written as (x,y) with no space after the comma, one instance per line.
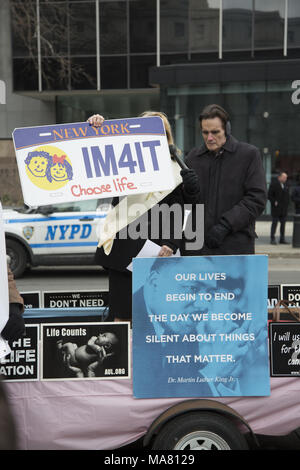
(48,168)
(38,163)
(61,170)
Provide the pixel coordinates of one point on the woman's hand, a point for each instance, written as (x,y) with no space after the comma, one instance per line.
(165,251)
(96,120)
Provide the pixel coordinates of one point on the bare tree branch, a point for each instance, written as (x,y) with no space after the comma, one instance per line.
(57,66)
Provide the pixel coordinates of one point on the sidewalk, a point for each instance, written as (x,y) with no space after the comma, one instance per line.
(263,246)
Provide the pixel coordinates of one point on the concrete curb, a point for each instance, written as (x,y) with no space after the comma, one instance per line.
(262,245)
(277,251)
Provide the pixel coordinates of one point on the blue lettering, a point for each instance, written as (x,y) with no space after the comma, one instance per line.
(75,229)
(139,156)
(87,162)
(152,144)
(126,159)
(107,164)
(86,230)
(63,229)
(51,230)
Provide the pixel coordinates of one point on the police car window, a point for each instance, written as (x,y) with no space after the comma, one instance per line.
(78,206)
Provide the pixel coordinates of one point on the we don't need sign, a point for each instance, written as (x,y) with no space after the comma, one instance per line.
(71,162)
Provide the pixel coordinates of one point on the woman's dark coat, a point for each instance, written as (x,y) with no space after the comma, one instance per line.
(232,188)
(123,250)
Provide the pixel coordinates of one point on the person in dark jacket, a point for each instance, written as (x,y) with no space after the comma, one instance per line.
(278,195)
(15,325)
(296,196)
(232,186)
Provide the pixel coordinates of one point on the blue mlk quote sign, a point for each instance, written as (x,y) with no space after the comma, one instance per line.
(200,326)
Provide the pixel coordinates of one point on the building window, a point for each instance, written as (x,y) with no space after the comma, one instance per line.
(179,30)
(113,28)
(269,24)
(141,14)
(293,40)
(237,25)
(204,26)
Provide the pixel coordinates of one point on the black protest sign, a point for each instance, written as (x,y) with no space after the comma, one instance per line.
(273,296)
(75,299)
(284,340)
(85,351)
(31,299)
(291,293)
(22,364)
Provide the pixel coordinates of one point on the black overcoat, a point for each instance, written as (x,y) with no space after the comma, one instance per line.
(296,198)
(124,249)
(279,198)
(232,188)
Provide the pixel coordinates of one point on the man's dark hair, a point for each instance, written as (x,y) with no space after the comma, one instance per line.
(214,110)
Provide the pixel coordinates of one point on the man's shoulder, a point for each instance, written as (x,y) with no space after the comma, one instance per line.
(195,152)
(246,148)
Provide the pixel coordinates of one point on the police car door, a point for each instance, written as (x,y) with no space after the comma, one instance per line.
(70,228)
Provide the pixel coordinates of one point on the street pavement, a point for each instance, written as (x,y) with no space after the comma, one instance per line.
(263,245)
(284,267)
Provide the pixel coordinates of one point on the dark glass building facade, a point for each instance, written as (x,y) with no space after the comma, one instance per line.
(122,57)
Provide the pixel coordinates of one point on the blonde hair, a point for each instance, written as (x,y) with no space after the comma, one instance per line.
(165,121)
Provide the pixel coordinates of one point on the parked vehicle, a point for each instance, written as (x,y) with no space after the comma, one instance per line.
(103,414)
(60,234)
(93,415)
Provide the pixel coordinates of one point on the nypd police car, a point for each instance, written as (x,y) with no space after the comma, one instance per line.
(59,234)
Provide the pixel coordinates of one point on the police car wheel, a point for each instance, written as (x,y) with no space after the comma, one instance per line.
(200,431)
(17,257)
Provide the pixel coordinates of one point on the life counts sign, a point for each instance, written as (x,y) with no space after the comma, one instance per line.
(71,162)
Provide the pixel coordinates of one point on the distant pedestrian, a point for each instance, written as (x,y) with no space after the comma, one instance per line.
(296,196)
(278,195)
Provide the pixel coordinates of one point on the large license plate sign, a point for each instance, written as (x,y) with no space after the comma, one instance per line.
(71,162)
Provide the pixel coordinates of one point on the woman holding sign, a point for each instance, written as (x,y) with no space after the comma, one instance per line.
(125,232)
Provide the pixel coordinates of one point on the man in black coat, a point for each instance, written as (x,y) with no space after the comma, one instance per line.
(296,196)
(278,194)
(232,187)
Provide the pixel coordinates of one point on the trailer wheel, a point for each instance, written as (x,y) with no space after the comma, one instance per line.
(17,257)
(200,431)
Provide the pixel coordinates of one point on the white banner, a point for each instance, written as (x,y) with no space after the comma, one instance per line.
(71,162)
(4,303)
